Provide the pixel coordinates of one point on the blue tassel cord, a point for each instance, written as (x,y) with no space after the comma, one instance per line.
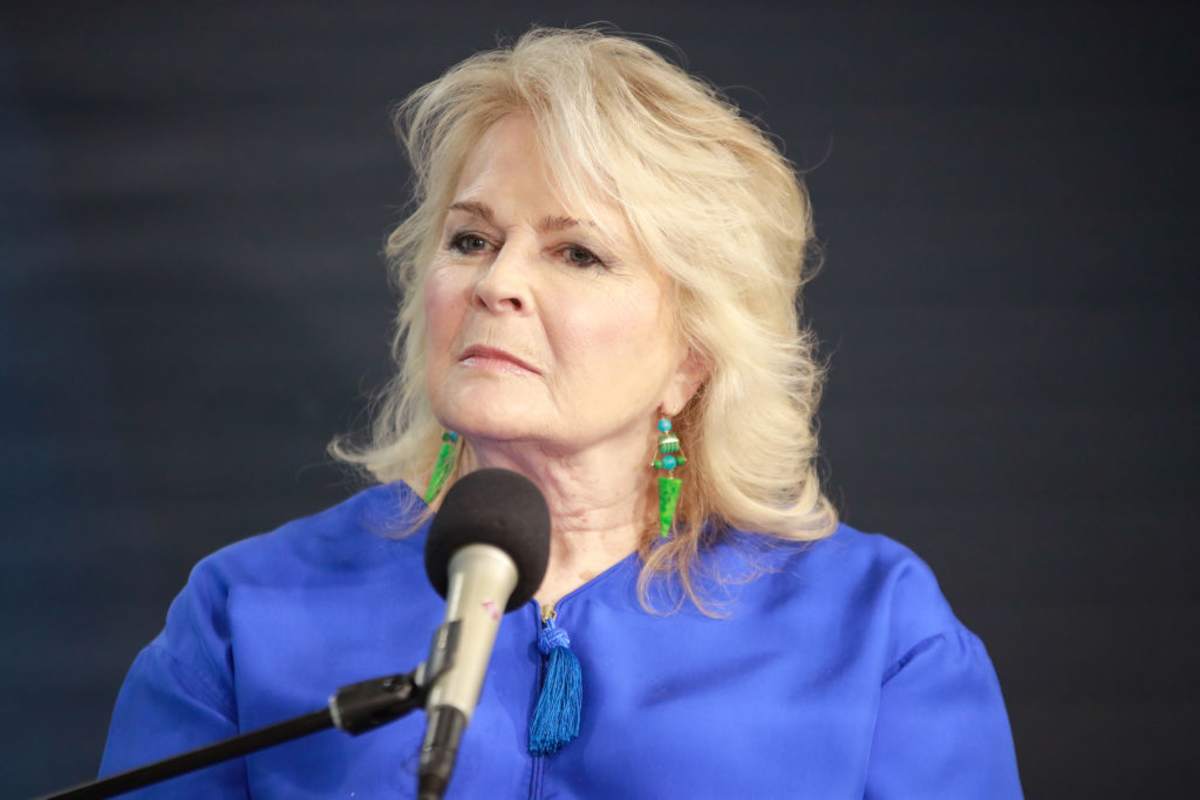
(556,718)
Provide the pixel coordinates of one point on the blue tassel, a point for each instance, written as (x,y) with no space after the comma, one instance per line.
(556,718)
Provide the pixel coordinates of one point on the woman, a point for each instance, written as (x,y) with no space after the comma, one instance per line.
(599,284)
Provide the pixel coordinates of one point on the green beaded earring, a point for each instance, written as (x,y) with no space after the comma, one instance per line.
(669,457)
(441,469)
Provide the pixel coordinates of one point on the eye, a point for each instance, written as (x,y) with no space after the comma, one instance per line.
(467,243)
(580,256)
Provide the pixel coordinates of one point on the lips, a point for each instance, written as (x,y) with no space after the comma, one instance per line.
(479,351)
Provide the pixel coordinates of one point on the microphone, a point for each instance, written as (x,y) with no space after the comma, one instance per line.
(486,554)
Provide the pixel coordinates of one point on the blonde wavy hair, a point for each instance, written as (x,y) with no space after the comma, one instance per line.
(716,207)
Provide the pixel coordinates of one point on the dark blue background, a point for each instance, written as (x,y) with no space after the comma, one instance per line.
(192,302)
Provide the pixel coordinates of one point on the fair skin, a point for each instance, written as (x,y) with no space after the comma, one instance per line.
(599,360)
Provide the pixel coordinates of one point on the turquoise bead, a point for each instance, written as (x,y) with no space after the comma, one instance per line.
(669,462)
(664,424)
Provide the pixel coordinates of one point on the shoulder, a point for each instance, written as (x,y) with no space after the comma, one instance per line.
(360,531)
(882,585)
(903,583)
(881,564)
(351,540)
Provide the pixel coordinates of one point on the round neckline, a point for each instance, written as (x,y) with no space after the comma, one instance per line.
(600,578)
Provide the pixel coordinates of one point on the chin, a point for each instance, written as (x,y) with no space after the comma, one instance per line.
(491,415)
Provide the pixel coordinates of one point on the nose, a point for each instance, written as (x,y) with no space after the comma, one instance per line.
(503,286)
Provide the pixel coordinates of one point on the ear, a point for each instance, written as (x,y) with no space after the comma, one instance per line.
(688,376)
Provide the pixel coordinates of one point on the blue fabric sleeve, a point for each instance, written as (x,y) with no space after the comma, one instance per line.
(942,730)
(178,696)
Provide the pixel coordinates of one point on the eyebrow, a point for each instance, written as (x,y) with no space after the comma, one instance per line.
(548,224)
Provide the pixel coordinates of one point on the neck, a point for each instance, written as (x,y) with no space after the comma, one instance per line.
(599,502)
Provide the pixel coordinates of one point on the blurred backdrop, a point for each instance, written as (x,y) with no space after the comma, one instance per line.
(192,303)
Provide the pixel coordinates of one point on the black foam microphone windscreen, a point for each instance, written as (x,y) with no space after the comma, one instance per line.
(495,507)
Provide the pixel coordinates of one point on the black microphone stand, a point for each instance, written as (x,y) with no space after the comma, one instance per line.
(355,709)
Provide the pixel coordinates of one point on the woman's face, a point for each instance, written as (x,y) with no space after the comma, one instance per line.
(536,330)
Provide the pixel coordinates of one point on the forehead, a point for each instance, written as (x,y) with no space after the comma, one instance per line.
(510,144)
(508,168)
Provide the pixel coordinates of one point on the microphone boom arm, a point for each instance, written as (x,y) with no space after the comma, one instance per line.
(356,708)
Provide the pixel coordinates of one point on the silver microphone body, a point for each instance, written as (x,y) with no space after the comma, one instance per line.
(486,553)
(481,580)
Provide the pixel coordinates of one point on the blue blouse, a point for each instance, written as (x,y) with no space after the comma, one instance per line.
(837,670)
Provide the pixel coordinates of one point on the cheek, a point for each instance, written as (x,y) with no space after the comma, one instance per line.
(444,308)
(622,339)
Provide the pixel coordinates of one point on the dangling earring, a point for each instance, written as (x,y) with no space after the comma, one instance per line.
(669,457)
(441,469)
